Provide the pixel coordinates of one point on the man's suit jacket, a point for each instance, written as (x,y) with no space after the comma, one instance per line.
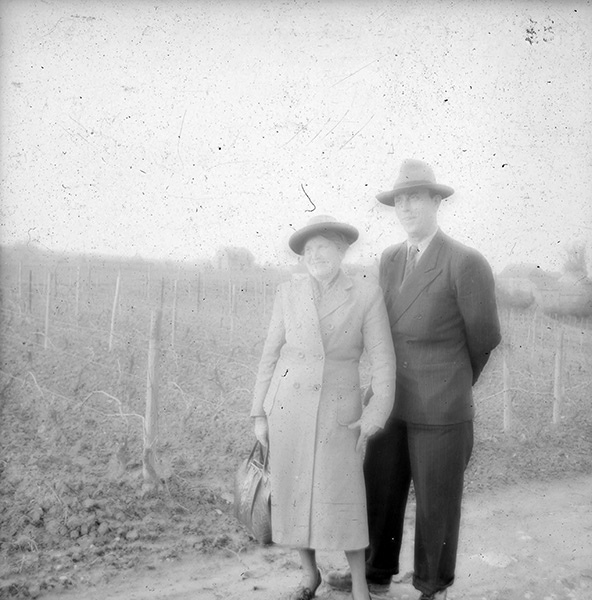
(444,324)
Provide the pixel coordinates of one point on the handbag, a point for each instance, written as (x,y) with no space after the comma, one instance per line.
(252,494)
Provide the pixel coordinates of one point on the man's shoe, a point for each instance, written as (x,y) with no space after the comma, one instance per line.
(381,586)
(341,580)
(441,595)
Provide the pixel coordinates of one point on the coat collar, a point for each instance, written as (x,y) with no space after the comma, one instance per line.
(335,296)
(426,271)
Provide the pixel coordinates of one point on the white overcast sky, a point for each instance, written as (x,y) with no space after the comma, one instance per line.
(169,129)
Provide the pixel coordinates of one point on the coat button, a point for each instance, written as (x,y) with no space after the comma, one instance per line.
(319,357)
(296,385)
(300,354)
(298,325)
(316,387)
(405,364)
(331,326)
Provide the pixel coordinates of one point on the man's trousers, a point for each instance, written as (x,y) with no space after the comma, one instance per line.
(434,457)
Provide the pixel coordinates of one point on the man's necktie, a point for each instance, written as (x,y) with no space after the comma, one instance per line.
(411,261)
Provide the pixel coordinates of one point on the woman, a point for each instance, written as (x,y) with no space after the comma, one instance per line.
(307,402)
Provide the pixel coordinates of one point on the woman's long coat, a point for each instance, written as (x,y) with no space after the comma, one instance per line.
(308,385)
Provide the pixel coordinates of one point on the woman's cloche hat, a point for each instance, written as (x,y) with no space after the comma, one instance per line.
(320,225)
(414,174)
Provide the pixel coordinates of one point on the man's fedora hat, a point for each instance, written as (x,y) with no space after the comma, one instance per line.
(321,225)
(414,174)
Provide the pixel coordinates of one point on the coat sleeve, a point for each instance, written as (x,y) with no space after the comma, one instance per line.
(475,290)
(276,338)
(378,344)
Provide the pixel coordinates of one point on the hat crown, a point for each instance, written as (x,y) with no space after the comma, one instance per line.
(413,170)
(321,225)
(414,174)
(321,219)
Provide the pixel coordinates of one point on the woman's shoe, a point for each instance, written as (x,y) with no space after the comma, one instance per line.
(303,592)
(341,580)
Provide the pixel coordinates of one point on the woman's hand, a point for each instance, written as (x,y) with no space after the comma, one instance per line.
(262,431)
(366,430)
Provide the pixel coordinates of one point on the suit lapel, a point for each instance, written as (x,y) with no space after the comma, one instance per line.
(397,266)
(425,272)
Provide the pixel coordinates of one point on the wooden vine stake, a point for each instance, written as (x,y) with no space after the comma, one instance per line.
(77,305)
(20,285)
(231,307)
(151,479)
(174,316)
(558,380)
(507,393)
(114,310)
(47,304)
(30,291)
(147,284)
(533,346)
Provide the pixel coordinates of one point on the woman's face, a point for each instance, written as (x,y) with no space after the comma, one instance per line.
(322,258)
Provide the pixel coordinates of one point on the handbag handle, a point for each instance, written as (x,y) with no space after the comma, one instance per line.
(263,454)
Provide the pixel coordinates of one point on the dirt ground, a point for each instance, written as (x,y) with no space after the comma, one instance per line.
(524,542)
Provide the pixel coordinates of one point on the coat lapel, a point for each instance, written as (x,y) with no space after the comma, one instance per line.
(305,307)
(336,296)
(425,272)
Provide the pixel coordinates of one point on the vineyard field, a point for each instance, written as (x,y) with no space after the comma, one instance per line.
(73,382)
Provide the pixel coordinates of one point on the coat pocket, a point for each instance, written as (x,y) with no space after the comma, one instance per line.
(348,407)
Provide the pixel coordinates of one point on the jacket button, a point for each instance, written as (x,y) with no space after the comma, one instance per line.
(319,357)
(296,385)
(316,387)
(405,364)
(331,326)
(300,354)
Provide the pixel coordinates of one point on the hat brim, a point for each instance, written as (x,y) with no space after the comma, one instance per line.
(388,198)
(299,238)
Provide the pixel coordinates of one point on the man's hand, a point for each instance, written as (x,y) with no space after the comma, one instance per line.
(262,430)
(366,430)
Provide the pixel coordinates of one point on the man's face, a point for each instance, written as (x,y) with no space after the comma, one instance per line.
(418,212)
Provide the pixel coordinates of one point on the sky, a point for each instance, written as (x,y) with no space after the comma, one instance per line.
(171,129)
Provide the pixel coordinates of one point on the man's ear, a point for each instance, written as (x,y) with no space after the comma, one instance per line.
(437,198)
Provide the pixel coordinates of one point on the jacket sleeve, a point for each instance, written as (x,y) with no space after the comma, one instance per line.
(475,289)
(378,344)
(276,338)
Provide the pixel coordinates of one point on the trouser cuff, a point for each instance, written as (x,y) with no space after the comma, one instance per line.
(428,589)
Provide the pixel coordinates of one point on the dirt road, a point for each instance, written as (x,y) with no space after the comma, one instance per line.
(528,542)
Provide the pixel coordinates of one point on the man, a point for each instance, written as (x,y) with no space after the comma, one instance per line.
(441,303)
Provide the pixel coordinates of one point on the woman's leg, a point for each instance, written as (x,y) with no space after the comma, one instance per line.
(357,566)
(308,559)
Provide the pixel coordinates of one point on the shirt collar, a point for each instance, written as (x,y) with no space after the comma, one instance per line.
(423,244)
